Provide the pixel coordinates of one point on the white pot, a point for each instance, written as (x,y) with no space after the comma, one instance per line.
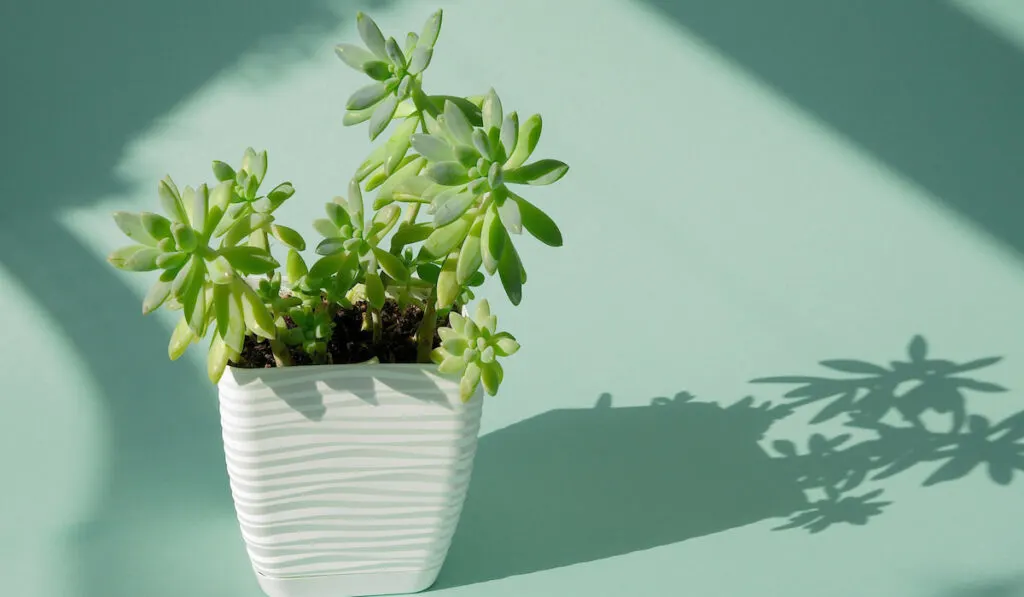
(347,480)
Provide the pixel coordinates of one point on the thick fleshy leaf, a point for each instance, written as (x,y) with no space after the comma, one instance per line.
(367,97)
(185,237)
(216,359)
(193,299)
(431,29)
(157,295)
(453,208)
(353,55)
(447,173)
(541,172)
(408,234)
(354,117)
(398,144)
(447,284)
(538,223)
(445,238)
(382,116)
(378,70)
(420,60)
(434,148)
(491,112)
(375,295)
(452,365)
(505,344)
(391,265)
(482,144)
(529,136)
(470,381)
(410,166)
(220,270)
(288,236)
(181,338)
(410,42)
(325,227)
(491,374)
(171,202)
(156,225)
(382,223)
(250,260)
(492,240)
(220,202)
(245,226)
(131,225)
(125,257)
(510,216)
(371,35)
(255,314)
(280,194)
(428,272)
(395,54)
(457,124)
(510,272)
(470,256)
(510,132)
(223,172)
(295,266)
(328,266)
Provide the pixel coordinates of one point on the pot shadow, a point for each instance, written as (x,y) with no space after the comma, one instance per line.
(305,396)
(921,85)
(576,485)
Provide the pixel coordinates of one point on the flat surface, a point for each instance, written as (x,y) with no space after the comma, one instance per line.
(755,188)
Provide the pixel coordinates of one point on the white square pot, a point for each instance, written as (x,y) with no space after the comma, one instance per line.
(348,480)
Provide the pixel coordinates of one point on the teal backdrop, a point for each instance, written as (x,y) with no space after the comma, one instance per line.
(755,187)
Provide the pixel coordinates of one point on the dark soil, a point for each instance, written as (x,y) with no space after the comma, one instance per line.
(349,343)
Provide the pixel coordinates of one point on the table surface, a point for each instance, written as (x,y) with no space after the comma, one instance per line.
(826,194)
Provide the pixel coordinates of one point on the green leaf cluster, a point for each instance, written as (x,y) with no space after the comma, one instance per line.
(456,159)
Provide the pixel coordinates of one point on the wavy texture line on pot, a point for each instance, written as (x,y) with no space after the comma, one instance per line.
(347,469)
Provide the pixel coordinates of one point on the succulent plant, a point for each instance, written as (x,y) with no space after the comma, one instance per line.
(456,157)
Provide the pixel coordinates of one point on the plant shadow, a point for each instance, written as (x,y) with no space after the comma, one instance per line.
(577,485)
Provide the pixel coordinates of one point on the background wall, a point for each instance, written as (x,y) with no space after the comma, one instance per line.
(755,187)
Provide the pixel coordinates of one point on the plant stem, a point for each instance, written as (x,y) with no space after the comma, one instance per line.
(378,330)
(282,358)
(425,333)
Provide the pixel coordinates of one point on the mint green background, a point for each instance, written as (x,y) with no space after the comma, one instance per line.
(755,187)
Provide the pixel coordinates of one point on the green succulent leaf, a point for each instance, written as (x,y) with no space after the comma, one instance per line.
(156,225)
(353,55)
(382,116)
(354,117)
(448,173)
(325,227)
(470,381)
(510,272)
(491,374)
(377,70)
(470,256)
(505,344)
(245,226)
(131,225)
(156,296)
(181,338)
(529,136)
(395,54)
(223,172)
(420,60)
(452,207)
(541,172)
(288,236)
(492,240)
(447,282)
(510,132)
(398,145)
(257,317)
(538,223)
(431,29)
(491,112)
(391,265)
(250,260)
(185,237)
(280,194)
(375,296)
(482,144)
(367,97)
(408,234)
(510,216)
(371,35)
(457,124)
(132,257)
(171,202)
(220,270)
(295,266)
(217,359)
(220,201)
(434,148)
